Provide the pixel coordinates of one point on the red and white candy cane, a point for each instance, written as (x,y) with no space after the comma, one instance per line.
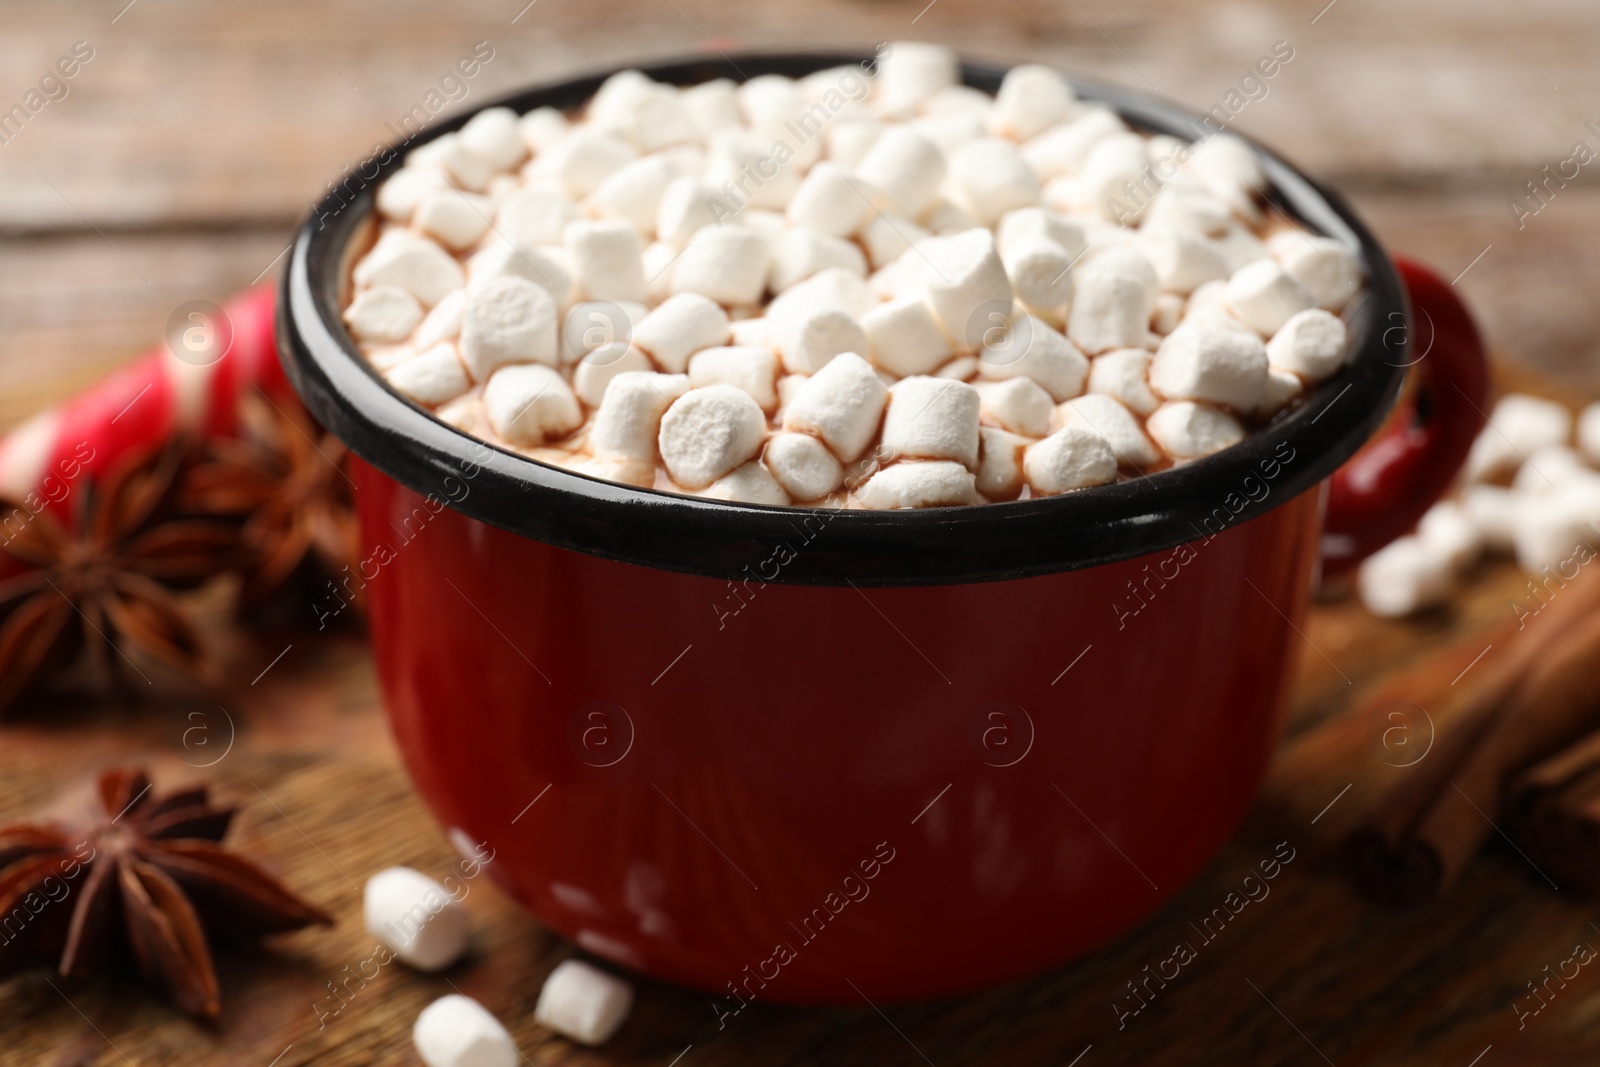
(191,383)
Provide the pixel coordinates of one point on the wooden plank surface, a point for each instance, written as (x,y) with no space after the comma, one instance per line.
(175,168)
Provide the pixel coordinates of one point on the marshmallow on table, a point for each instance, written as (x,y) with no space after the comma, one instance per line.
(633,193)
(1518,426)
(1549,469)
(799,253)
(457,1031)
(1031,99)
(1063,149)
(543,128)
(594,372)
(924,484)
(608,260)
(1311,344)
(1447,530)
(1402,577)
(932,418)
(1557,530)
(400,194)
(1492,510)
(904,338)
(530,403)
(1000,463)
(493,134)
(750,483)
(1589,432)
(992,179)
(708,432)
(384,314)
(1183,259)
(629,420)
(535,216)
(500,257)
(753,369)
(679,327)
(1121,430)
(1041,277)
(802,465)
(508,320)
(911,72)
(443,323)
(431,377)
(1187,430)
(1220,366)
(842,404)
(1264,296)
(583,1002)
(1125,375)
(416,918)
(1031,349)
(1071,458)
(413,263)
(729,264)
(829,200)
(906,167)
(1328,268)
(1017,404)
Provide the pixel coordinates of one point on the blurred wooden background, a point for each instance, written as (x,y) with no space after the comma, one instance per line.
(175,169)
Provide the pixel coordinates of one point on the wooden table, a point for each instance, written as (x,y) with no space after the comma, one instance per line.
(175,169)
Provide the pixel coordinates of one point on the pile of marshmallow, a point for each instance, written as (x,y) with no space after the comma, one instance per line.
(424,925)
(861,288)
(1525,491)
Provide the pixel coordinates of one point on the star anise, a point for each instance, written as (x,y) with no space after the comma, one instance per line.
(283,477)
(108,581)
(148,877)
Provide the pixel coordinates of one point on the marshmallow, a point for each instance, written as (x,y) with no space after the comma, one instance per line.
(951,130)
(629,419)
(1449,532)
(753,369)
(619,95)
(1124,375)
(543,128)
(932,418)
(1403,577)
(585,158)
(1264,296)
(841,404)
(1118,179)
(1070,458)
(443,323)
(751,483)
(1063,150)
(992,178)
(1519,426)
(1030,223)
(1311,344)
(908,169)
(1121,430)
(1282,386)
(687,205)
(1000,463)
(904,338)
(830,201)
(608,260)
(712,106)
(535,216)
(1328,268)
(1109,310)
(919,485)
(384,314)
(1017,404)
(508,320)
(1589,432)
(1551,468)
(1031,99)
(1118,252)
(808,339)
(962,277)
(493,134)
(416,918)
(1240,248)
(1041,276)
(1031,349)
(399,196)
(1556,530)
(1186,430)
(708,432)
(1183,260)
(529,404)
(887,237)
(726,263)
(749,331)
(1220,366)
(583,1002)
(500,258)
(797,254)
(457,1031)
(469,169)
(750,164)
(831,288)
(413,263)
(849,140)
(595,371)
(598,324)
(1492,510)
(946,217)
(802,465)
(678,328)
(658,118)
(1230,169)
(1185,207)
(633,193)
(431,377)
(910,72)
(1167,315)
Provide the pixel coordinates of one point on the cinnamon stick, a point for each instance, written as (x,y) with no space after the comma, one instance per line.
(1539,694)
(1554,812)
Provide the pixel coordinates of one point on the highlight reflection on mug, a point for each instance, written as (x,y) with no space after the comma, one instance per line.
(600,733)
(1001,733)
(1402,733)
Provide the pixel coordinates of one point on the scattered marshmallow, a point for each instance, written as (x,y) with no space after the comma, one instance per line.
(1220,366)
(1402,577)
(1492,510)
(924,484)
(431,377)
(1017,404)
(1519,426)
(508,320)
(384,314)
(1265,296)
(529,404)
(802,465)
(1073,457)
(1108,418)
(416,918)
(1187,430)
(753,369)
(1311,344)
(457,1031)
(842,404)
(535,215)
(708,432)
(1447,530)
(583,1002)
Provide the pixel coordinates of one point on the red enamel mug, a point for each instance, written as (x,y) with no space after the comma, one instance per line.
(810,755)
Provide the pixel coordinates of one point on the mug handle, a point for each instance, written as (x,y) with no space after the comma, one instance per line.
(1381,491)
